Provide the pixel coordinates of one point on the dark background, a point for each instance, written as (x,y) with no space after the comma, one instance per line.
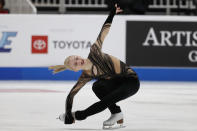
(139,55)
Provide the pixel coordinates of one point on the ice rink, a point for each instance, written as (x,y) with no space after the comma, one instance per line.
(158,106)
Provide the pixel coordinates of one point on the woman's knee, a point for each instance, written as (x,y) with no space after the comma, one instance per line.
(134,87)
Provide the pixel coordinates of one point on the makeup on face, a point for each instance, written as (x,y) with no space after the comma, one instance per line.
(76,62)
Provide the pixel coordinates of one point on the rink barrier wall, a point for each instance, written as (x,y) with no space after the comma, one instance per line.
(145,74)
(21,57)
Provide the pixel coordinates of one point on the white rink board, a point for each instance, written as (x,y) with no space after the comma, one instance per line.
(82,29)
(78,31)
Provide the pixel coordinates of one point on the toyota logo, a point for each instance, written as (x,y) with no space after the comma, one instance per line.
(39,44)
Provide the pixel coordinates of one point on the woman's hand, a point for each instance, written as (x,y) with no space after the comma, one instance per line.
(69,118)
(118,10)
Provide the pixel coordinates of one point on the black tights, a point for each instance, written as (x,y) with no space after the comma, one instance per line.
(110,92)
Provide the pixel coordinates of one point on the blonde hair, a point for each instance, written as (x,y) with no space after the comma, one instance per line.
(60,68)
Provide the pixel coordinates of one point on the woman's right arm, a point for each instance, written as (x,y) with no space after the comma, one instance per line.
(69,101)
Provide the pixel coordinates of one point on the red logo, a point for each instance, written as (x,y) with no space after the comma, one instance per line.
(39,44)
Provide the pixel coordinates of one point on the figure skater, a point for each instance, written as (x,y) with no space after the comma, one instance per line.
(115,81)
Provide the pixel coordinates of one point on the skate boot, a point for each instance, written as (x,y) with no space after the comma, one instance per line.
(61,117)
(115,121)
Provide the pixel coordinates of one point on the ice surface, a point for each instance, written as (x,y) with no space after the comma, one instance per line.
(158,106)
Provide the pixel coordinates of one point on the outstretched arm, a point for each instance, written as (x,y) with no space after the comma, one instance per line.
(69,101)
(106,26)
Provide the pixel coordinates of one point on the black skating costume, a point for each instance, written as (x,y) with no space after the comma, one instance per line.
(115,80)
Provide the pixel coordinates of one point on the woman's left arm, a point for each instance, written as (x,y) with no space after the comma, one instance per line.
(106,26)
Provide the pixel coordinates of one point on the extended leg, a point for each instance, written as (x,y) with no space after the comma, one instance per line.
(126,89)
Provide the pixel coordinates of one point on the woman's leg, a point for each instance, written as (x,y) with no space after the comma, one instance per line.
(101,88)
(128,87)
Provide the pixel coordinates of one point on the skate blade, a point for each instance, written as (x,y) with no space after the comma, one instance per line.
(58,118)
(112,127)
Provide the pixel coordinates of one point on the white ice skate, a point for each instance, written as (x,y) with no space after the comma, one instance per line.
(61,117)
(115,121)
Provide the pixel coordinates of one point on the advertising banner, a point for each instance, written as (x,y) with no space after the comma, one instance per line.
(161,43)
(44,40)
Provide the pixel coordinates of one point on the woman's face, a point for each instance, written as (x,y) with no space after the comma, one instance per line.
(76,63)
